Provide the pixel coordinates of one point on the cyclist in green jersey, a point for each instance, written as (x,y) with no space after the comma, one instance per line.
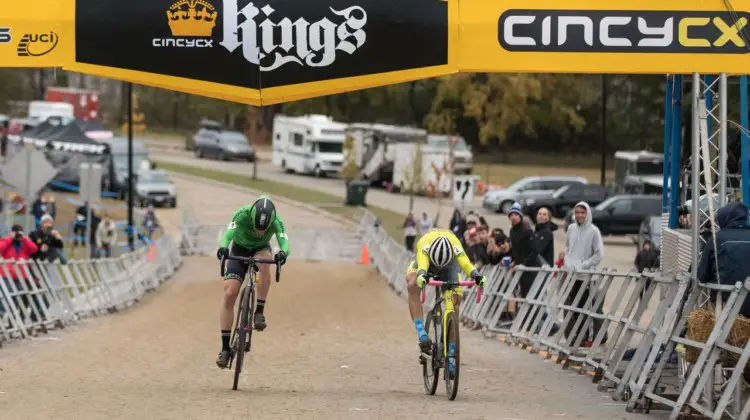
(248,234)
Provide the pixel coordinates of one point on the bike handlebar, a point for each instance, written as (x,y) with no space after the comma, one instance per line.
(442,283)
(251,261)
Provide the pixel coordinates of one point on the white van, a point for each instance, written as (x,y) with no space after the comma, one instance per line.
(462,156)
(311,144)
(41,110)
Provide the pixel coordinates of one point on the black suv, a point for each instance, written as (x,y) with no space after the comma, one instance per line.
(563,199)
(205,128)
(622,214)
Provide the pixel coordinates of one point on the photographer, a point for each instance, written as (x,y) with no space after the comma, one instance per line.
(17,247)
(48,240)
(498,247)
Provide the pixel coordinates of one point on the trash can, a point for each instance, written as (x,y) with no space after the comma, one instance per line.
(356,192)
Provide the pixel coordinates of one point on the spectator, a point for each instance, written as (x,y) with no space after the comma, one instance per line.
(498,247)
(48,240)
(410,232)
(106,236)
(483,223)
(79,226)
(426,224)
(522,250)
(727,261)
(4,139)
(18,247)
(544,239)
(584,250)
(95,221)
(647,257)
(51,205)
(39,208)
(458,224)
(479,249)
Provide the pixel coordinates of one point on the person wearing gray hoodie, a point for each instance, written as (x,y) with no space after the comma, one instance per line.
(584,250)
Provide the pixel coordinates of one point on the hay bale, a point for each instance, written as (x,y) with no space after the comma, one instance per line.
(700,324)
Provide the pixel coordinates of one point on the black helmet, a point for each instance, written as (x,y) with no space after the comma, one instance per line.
(263,213)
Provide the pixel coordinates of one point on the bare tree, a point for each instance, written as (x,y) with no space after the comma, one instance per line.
(414,176)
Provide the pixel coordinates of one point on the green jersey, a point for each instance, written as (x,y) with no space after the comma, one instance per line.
(242,232)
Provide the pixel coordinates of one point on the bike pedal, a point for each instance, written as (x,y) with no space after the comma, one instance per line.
(422,360)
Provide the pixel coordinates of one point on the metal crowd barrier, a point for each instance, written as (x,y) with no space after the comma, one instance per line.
(38,296)
(625,330)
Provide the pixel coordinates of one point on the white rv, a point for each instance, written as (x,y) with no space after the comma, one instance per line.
(462,156)
(312,144)
(375,149)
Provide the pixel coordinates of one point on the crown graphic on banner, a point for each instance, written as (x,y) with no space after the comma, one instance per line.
(192,18)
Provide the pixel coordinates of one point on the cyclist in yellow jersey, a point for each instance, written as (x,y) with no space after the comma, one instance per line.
(439,253)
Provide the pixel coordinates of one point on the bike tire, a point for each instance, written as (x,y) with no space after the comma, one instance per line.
(242,324)
(452,330)
(431,367)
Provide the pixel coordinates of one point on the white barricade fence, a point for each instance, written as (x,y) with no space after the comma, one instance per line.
(627,331)
(38,296)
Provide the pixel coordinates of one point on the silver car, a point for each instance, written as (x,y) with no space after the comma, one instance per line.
(155,187)
(502,199)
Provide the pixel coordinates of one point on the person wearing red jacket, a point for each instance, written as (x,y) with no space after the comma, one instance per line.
(17,247)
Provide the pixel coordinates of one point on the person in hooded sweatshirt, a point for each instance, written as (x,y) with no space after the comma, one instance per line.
(544,239)
(522,250)
(727,261)
(584,250)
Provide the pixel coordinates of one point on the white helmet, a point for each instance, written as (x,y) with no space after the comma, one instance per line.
(441,252)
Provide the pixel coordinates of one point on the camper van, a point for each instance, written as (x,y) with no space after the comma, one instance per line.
(41,110)
(312,144)
(375,148)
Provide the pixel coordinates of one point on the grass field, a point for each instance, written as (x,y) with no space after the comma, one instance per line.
(391,221)
(502,174)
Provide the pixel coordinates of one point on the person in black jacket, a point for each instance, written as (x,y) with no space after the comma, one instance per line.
(522,250)
(458,223)
(48,240)
(544,239)
(647,258)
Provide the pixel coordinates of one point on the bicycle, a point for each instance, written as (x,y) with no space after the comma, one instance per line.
(243,327)
(445,331)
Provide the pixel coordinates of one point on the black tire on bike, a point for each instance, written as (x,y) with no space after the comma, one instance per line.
(431,367)
(243,326)
(451,383)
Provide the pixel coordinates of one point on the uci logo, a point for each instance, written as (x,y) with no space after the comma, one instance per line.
(5,37)
(601,31)
(37,45)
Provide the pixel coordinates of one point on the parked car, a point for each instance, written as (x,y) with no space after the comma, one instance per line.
(155,187)
(622,214)
(560,201)
(224,145)
(650,231)
(205,126)
(502,199)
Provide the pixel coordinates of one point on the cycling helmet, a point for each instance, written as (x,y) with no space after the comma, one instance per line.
(263,213)
(441,252)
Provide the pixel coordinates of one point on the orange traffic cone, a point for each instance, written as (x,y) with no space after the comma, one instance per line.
(365,258)
(151,256)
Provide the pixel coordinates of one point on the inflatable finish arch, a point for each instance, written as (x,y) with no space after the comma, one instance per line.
(262,52)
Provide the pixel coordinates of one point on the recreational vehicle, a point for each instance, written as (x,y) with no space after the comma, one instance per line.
(312,144)
(374,149)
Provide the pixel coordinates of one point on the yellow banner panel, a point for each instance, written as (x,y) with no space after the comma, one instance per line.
(32,33)
(591,36)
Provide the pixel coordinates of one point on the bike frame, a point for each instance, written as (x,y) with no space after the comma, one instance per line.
(448,296)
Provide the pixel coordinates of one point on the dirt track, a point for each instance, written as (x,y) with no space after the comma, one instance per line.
(339,346)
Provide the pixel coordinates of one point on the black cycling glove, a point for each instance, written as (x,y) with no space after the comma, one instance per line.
(222,253)
(280,257)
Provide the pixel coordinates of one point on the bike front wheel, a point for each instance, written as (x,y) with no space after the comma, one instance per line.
(453,349)
(431,365)
(243,329)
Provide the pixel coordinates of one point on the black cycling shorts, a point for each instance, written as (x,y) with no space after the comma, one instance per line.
(237,270)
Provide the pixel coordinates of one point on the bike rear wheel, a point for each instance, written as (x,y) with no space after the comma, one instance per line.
(452,340)
(243,331)
(431,365)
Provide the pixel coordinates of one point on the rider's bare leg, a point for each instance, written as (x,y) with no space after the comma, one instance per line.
(415,306)
(265,286)
(231,290)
